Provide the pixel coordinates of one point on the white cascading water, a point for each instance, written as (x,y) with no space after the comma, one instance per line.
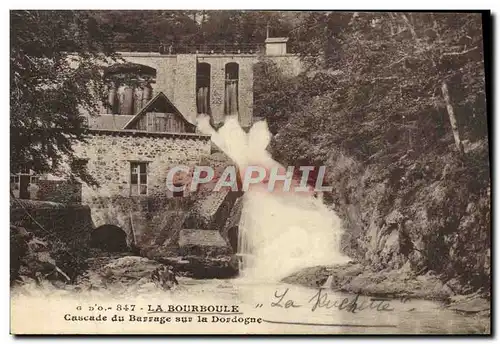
(279,232)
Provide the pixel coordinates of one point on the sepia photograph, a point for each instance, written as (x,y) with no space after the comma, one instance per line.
(256,172)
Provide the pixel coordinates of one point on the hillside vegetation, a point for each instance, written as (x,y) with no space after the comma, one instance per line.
(394,105)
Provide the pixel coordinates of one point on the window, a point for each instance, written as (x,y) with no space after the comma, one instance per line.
(203,88)
(129,88)
(14,182)
(24,182)
(25,170)
(138,178)
(231,94)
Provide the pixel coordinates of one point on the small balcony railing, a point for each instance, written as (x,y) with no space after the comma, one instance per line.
(170,49)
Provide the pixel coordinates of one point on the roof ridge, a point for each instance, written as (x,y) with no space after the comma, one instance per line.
(150,102)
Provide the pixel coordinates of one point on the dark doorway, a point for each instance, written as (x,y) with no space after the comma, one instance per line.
(231,93)
(203,88)
(109,238)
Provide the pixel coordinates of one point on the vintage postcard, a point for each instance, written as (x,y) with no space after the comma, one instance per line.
(249,172)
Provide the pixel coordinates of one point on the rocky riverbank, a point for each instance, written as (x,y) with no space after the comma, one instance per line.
(355,278)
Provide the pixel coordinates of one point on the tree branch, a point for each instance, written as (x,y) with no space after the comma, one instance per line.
(453,119)
(459,53)
(407,21)
(398,61)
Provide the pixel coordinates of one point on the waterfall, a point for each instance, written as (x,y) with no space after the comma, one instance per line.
(279,232)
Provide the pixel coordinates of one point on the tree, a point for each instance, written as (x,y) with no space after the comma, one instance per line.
(275,95)
(388,102)
(243,27)
(389,69)
(378,78)
(56,60)
(152,26)
(185,28)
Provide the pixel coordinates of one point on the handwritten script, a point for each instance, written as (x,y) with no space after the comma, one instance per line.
(321,299)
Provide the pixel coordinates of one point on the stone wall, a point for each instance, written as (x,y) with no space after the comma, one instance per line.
(110,154)
(176,77)
(109,157)
(245,85)
(185,86)
(69,223)
(143,219)
(165,66)
(59,191)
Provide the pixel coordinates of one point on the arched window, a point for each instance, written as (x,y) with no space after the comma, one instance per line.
(128,88)
(231,94)
(203,87)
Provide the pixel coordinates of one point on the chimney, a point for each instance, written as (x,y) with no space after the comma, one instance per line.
(276,45)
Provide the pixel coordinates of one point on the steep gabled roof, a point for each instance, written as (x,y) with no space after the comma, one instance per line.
(150,105)
(108,122)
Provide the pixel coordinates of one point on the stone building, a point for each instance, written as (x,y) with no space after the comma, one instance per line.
(146,126)
(215,82)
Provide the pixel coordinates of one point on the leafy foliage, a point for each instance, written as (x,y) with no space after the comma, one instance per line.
(194,27)
(129,26)
(55,66)
(370,107)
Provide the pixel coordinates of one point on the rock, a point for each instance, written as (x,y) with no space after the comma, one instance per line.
(467,304)
(310,277)
(164,277)
(358,279)
(128,269)
(368,283)
(200,254)
(317,276)
(205,243)
(212,210)
(231,227)
(389,250)
(394,217)
(454,285)
(210,267)
(32,258)
(328,284)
